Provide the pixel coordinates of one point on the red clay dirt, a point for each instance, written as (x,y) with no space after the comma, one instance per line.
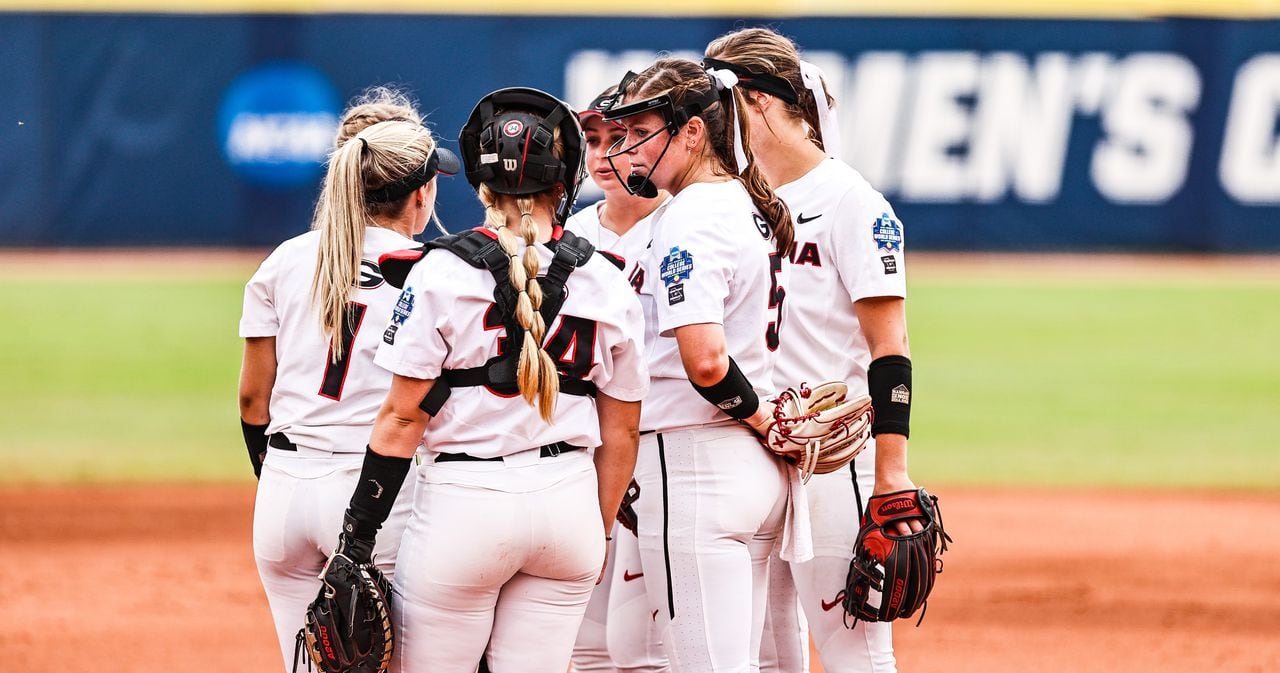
(151,579)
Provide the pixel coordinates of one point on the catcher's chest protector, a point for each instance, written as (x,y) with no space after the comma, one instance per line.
(479,248)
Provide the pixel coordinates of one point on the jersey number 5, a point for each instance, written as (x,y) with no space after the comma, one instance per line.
(777,294)
(335,371)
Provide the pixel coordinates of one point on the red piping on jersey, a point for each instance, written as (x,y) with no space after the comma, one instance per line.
(487,232)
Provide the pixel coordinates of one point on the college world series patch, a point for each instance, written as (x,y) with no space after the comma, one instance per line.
(887,233)
(399,314)
(676,266)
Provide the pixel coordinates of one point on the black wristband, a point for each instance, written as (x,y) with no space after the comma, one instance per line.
(889,384)
(733,394)
(380,481)
(255,441)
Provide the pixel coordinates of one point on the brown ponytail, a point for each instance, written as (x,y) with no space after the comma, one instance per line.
(685,80)
(763,50)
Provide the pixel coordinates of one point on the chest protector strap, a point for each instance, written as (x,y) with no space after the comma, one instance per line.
(480,249)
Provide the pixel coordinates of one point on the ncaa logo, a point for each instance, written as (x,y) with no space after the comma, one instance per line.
(512,128)
(276,123)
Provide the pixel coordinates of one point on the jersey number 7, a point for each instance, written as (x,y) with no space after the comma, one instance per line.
(335,371)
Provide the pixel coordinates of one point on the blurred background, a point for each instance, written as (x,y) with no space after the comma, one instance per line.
(1091,197)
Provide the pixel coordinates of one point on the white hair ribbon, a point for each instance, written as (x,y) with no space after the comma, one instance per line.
(827,122)
(726,79)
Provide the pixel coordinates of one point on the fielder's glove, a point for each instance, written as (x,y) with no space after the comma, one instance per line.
(817,429)
(900,568)
(348,625)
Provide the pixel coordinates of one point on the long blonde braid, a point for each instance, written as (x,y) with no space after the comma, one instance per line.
(538,380)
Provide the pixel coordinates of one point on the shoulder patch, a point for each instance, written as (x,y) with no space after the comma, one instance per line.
(887,233)
(676,266)
(399,314)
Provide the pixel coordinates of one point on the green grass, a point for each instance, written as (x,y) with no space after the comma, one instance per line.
(1043,382)
(110,380)
(1130,384)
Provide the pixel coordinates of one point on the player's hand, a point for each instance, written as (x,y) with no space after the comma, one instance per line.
(762,419)
(600,577)
(888,483)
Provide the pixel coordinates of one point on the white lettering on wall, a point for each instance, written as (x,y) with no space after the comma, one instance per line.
(1144,157)
(1250,167)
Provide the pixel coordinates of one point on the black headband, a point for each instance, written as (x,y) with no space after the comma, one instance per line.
(759,81)
(394,191)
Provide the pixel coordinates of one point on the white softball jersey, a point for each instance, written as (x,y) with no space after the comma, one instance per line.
(848,247)
(316,402)
(444,319)
(618,631)
(711,261)
(630,246)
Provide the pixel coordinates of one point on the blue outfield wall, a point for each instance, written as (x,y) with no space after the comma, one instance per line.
(986,134)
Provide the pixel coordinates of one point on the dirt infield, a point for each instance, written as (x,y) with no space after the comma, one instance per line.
(150,579)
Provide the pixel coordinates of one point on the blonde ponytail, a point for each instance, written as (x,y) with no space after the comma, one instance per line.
(537,377)
(341,219)
(377,156)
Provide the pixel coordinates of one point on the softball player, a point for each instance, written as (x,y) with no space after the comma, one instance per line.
(713,498)
(308,387)
(618,632)
(513,347)
(851,317)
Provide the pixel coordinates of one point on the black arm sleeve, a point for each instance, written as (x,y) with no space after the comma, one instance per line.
(255,441)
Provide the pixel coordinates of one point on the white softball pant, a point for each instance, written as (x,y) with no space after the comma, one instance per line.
(711,508)
(836,501)
(620,631)
(499,557)
(296,521)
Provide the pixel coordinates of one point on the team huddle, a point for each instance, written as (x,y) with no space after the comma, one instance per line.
(665,433)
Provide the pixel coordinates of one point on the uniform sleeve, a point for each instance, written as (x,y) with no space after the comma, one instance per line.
(259,317)
(693,267)
(412,344)
(867,242)
(627,376)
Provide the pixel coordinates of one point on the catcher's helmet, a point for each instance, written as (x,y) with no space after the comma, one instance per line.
(507,144)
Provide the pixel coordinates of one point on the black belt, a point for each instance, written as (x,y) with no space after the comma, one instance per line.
(279,441)
(547,451)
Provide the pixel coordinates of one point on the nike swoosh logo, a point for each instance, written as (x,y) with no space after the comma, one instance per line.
(628,577)
(826,607)
(801,219)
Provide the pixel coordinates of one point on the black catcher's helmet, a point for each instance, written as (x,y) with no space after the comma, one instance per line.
(507,145)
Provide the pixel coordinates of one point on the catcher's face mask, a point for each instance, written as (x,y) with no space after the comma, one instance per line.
(674,116)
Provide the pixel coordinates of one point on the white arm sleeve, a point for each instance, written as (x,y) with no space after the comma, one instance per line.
(868,247)
(695,263)
(412,344)
(259,318)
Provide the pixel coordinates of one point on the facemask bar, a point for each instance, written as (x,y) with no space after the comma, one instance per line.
(675,118)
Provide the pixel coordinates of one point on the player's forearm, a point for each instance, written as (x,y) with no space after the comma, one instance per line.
(397,433)
(257,377)
(615,458)
(891,463)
